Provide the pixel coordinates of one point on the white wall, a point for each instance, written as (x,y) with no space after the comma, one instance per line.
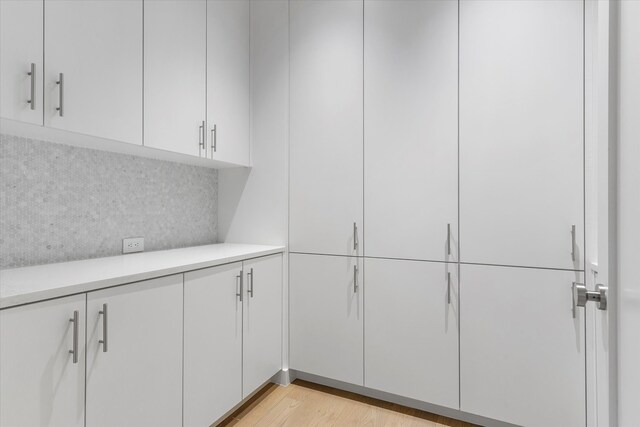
(629,213)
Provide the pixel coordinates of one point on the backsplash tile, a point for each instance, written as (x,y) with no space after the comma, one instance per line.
(62,203)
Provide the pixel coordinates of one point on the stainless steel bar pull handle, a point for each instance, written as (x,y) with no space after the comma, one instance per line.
(448,239)
(201,138)
(355,236)
(573,243)
(355,279)
(32,73)
(239,293)
(60,84)
(448,288)
(250,289)
(214,139)
(74,351)
(104,341)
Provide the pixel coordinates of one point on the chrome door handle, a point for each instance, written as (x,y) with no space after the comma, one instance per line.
(355,236)
(74,351)
(250,289)
(448,239)
(355,279)
(239,292)
(60,84)
(448,288)
(214,138)
(201,139)
(32,73)
(581,296)
(103,341)
(573,243)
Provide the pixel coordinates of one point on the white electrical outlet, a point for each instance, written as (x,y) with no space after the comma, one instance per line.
(132,244)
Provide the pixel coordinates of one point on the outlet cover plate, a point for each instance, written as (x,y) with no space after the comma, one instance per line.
(132,244)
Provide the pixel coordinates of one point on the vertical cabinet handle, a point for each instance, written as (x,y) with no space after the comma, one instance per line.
(250,289)
(355,236)
(60,84)
(214,139)
(201,138)
(448,239)
(74,351)
(355,279)
(103,341)
(239,292)
(573,243)
(32,73)
(448,288)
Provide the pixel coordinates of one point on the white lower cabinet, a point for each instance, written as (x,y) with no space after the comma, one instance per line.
(522,354)
(41,382)
(411,330)
(134,354)
(232,335)
(326,316)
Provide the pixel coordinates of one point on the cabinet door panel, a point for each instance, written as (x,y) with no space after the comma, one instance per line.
(97,45)
(326,316)
(326,125)
(411,330)
(39,383)
(175,52)
(228,80)
(262,324)
(521,132)
(522,357)
(20,46)
(212,343)
(411,128)
(138,380)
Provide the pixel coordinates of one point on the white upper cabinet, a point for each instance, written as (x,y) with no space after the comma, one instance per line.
(41,382)
(326,126)
(327,316)
(21,50)
(262,324)
(411,329)
(134,354)
(521,133)
(93,57)
(228,80)
(411,129)
(175,75)
(522,358)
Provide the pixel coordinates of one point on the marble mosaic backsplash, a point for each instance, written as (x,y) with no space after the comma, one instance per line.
(63,203)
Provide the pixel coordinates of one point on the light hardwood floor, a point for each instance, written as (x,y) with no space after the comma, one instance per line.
(306,404)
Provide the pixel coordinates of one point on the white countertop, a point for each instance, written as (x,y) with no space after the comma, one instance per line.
(31,284)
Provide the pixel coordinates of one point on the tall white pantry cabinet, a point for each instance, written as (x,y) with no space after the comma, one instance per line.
(463,156)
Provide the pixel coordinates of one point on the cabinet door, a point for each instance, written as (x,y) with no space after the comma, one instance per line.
(522,354)
(228,80)
(326,125)
(212,343)
(175,52)
(411,330)
(135,379)
(521,133)
(21,48)
(411,128)
(326,316)
(97,46)
(40,384)
(262,338)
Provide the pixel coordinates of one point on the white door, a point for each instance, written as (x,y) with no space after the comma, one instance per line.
(411,330)
(175,62)
(212,343)
(262,337)
(521,133)
(326,316)
(326,123)
(21,49)
(97,47)
(135,378)
(522,353)
(41,382)
(228,80)
(411,129)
